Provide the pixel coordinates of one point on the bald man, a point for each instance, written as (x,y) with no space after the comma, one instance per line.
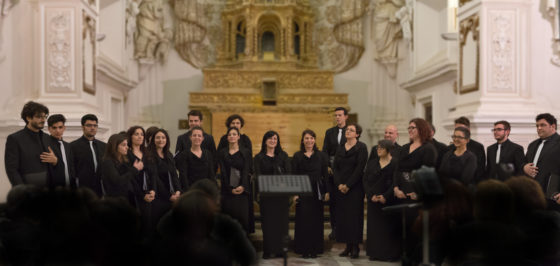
(391,134)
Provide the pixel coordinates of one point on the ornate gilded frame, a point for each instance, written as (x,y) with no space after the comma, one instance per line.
(467,25)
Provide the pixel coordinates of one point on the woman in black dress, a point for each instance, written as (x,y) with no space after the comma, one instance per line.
(418,152)
(309,209)
(234,163)
(383,231)
(161,166)
(195,163)
(349,163)
(459,164)
(117,175)
(238,122)
(145,192)
(272,160)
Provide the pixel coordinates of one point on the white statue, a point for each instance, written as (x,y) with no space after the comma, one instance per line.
(387,33)
(553,9)
(150,33)
(405,17)
(132,11)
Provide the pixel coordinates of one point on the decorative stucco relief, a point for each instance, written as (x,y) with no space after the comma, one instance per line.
(59,52)
(502,50)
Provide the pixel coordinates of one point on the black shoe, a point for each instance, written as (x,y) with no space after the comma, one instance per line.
(355,253)
(266,256)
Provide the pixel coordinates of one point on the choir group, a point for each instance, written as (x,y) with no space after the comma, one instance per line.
(137,165)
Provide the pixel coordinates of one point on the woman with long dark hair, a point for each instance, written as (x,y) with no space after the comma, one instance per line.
(383,231)
(117,174)
(161,165)
(308,235)
(234,163)
(349,162)
(272,160)
(195,163)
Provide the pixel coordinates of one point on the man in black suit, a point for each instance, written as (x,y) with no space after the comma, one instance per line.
(440,147)
(184,140)
(65,174)
(29,158)
(542,156)
(475,147)
(88,154)
(391,134)
(334,138)
(503,152)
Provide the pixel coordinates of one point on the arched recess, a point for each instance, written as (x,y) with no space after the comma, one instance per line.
(240,38)
(269,36)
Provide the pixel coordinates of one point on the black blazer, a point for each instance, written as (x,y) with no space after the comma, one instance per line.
(206,164)
(441,150)
(60,176)
(83,162)
(478,149)
(349,166)
(548,160)
(330,144)
(118,179)
(184,143)
(510,153)
(21,156)
(224,177)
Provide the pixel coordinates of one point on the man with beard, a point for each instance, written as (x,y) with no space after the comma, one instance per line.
(503,152)
(29,158)
(88,154)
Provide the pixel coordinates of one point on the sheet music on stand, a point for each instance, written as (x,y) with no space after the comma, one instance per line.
(277,185)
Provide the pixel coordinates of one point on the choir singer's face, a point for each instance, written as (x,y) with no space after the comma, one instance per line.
(340,117)
(160,140)
(272,142)
(138,137)
(196,137)
(544,129)
(412,131)
(232,136)
(235,123)
(308,141)
(122,148)
(459,139)
(381,152)
(57,130)
(90,128)
(350,132)
(37,121)
(194,121)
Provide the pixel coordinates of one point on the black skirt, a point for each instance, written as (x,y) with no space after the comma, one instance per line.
(384,233)
(309,226)
(237,206)
(350,215)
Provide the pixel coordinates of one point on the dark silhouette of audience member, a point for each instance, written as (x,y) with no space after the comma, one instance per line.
(541,226)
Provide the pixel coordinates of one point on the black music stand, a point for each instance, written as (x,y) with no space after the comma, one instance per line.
(284,186)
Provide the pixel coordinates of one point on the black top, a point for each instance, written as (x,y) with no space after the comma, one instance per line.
(316,167)
(510,153)
(330,144)
(244,142)
(59,169)
(407,162)
(118,178)
(184,143)
(441,150)
(192,168)
(373,154)
(240,160)
(165,173)
(349,165)
(145,182)
(277,165)
(478,150)
(83,162)
(22,155)
(461,168)
(547,161)
(379,181)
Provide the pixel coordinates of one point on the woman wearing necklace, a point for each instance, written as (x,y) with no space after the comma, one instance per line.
(459,164)
(308,236)
(383,230)
(162,166)
(195,163)
(349,162)
(234,163)
(272,160)
(145,183)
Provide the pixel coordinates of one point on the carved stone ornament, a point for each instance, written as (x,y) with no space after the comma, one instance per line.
(466,26)
(219,79)
(59,54)
(89,54)
(502,54)
(553,14)
(5,7)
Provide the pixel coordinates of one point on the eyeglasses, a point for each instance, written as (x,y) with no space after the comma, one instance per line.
(411,128)
(41,116)
(497,129)
(457,137)
(90,125)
